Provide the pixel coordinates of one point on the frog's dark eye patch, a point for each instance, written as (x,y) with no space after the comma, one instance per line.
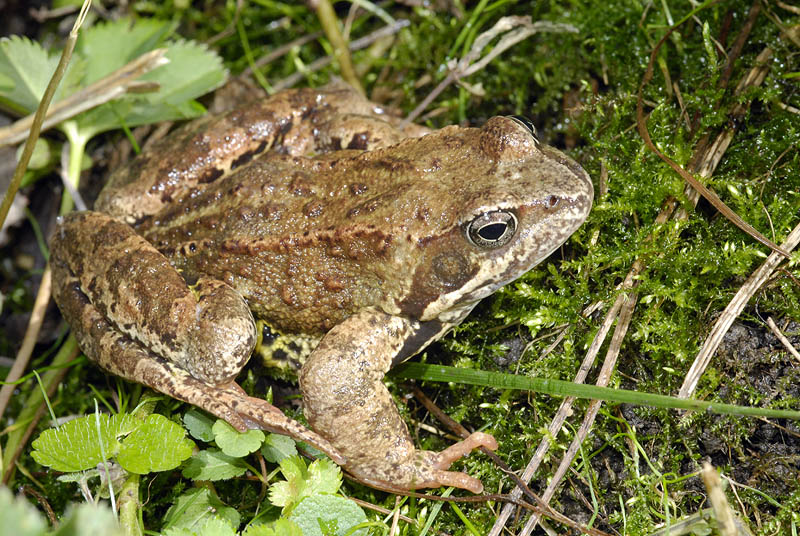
(492,229)
(527,123)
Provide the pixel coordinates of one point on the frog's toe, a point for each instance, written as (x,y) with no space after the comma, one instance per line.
(435,464)
(457,480)
(462,448)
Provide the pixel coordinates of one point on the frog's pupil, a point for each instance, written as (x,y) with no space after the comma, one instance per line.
(492,231)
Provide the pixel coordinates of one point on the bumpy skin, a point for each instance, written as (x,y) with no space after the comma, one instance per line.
(311,210)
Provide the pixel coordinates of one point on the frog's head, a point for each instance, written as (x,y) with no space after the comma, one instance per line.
(509,204)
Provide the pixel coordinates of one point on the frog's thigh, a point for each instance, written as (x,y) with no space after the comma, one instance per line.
(97,337)
(346,402)
(207,330)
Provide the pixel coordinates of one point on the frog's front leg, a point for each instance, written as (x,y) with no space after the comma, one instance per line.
(346,402)
(135,316)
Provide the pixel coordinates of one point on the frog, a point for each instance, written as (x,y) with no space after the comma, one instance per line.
(321,214)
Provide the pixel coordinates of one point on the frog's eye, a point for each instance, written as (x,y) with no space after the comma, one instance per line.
(492,229)
(527,123)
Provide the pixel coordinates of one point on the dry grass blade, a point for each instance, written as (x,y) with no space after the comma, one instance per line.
(28,342)
(512,29)
(781,337)
(279,52)
(39,116)
(561,416)
(542,509)
(628,303)
(731,312)
(726,524)
(108,88)
(710,195)
(704,162)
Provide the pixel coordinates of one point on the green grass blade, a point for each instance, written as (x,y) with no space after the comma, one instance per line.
(422,371)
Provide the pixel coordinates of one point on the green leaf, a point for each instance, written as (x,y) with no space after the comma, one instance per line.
(234,443)
(156,445)
(323,515)
(111,45)
(322,476)
(277,447)
(195,507)
(20,518)
(214,526)
(191,72)
(281,527)
(76,445)
(26,70)
(289,491)
(213,464)
(199,424)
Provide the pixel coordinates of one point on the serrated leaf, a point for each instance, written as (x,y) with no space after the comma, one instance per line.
(19,516)
(193,70)
(111,45)
(277,447)
(194,507)
(234,443)
(26,68)
(199,424)
(324,476)
(289,492)
(158,444)
(76,445)
(330,511)
(213,464)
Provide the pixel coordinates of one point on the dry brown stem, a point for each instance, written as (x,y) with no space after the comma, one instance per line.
(113,86)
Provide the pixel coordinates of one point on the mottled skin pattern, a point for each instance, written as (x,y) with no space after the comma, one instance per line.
(311,210)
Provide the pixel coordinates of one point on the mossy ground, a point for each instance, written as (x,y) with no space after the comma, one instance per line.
(638,467)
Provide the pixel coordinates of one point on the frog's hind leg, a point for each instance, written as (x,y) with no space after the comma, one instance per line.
(106,344)
(346,402)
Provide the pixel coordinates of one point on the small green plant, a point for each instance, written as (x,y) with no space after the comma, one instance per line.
(139,446)
(306,498)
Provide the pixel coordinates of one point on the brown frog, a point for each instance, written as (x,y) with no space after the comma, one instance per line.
(313,211)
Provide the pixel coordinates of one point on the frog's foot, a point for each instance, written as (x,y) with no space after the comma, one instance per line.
(420,468)
(436,464)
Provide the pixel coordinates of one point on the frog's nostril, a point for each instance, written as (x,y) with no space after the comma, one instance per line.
(552,201)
